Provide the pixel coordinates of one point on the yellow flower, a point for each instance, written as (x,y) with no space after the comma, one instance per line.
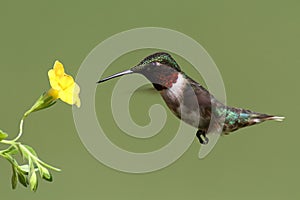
(63,86)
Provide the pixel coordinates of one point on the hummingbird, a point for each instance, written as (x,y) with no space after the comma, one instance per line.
(189,100)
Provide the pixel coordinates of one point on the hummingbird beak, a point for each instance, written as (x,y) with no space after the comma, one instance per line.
(116,75)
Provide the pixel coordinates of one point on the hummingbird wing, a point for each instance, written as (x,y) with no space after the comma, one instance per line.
(203,99)
(208,105)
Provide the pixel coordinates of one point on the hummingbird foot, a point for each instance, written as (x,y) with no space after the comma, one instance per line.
(201,135)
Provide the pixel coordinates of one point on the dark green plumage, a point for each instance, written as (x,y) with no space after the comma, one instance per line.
(162,58)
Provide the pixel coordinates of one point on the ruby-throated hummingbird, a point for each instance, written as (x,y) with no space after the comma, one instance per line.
(190,101)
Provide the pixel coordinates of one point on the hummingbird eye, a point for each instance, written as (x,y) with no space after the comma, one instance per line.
(157,64)
(153,64)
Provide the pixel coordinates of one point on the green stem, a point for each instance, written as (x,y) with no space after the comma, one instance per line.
(20,129)
(1,153)
(37,159)
(14,142)
(10,142)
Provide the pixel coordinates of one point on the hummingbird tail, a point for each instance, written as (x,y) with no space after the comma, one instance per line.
(264,117)
(237,118)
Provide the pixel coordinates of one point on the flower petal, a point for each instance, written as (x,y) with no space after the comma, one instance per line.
(65,86)
(76,99)
(67,95)
(71,95)
(53,79)
(66,81)
(58,69)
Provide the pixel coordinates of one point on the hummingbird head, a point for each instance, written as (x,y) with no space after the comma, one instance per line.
(162,58)
(159,68)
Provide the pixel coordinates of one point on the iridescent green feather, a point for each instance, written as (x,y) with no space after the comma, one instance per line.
(161,57)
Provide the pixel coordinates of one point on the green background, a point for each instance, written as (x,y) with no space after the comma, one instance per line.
(255,44)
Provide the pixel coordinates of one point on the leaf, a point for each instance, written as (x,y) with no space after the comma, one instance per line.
(14,178)
(45,174)
(11,160)
(20,150)
(22,178)
(18,173)
(12,150)
(48,176)
(3,135)
(26,150)
(33,182)
(29,148)
(25,168)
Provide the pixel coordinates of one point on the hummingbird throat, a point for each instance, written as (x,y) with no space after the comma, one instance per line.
(167,80)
